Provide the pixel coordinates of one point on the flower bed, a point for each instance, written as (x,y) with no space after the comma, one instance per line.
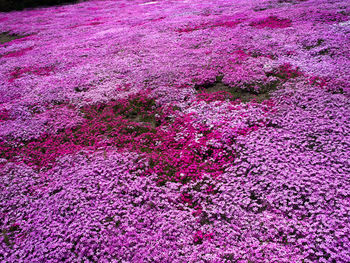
(175,131)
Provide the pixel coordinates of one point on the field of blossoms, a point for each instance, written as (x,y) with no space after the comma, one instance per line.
(176,131)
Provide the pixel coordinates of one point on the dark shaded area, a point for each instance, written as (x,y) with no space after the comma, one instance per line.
(9,5)
(6,37)
(317,44)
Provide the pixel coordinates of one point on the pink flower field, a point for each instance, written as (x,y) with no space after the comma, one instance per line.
(176,131)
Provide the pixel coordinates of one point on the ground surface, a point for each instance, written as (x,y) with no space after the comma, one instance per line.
(175,131)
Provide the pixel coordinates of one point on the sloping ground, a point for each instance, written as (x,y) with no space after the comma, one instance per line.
(176,131)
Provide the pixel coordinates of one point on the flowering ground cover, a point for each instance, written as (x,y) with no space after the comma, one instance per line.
(176,131)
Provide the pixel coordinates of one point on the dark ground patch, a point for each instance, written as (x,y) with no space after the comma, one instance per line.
(9,5)
(7,37)
(235,93)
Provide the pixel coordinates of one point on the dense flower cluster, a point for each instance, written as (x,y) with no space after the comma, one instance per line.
(271,22)
(176,131)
